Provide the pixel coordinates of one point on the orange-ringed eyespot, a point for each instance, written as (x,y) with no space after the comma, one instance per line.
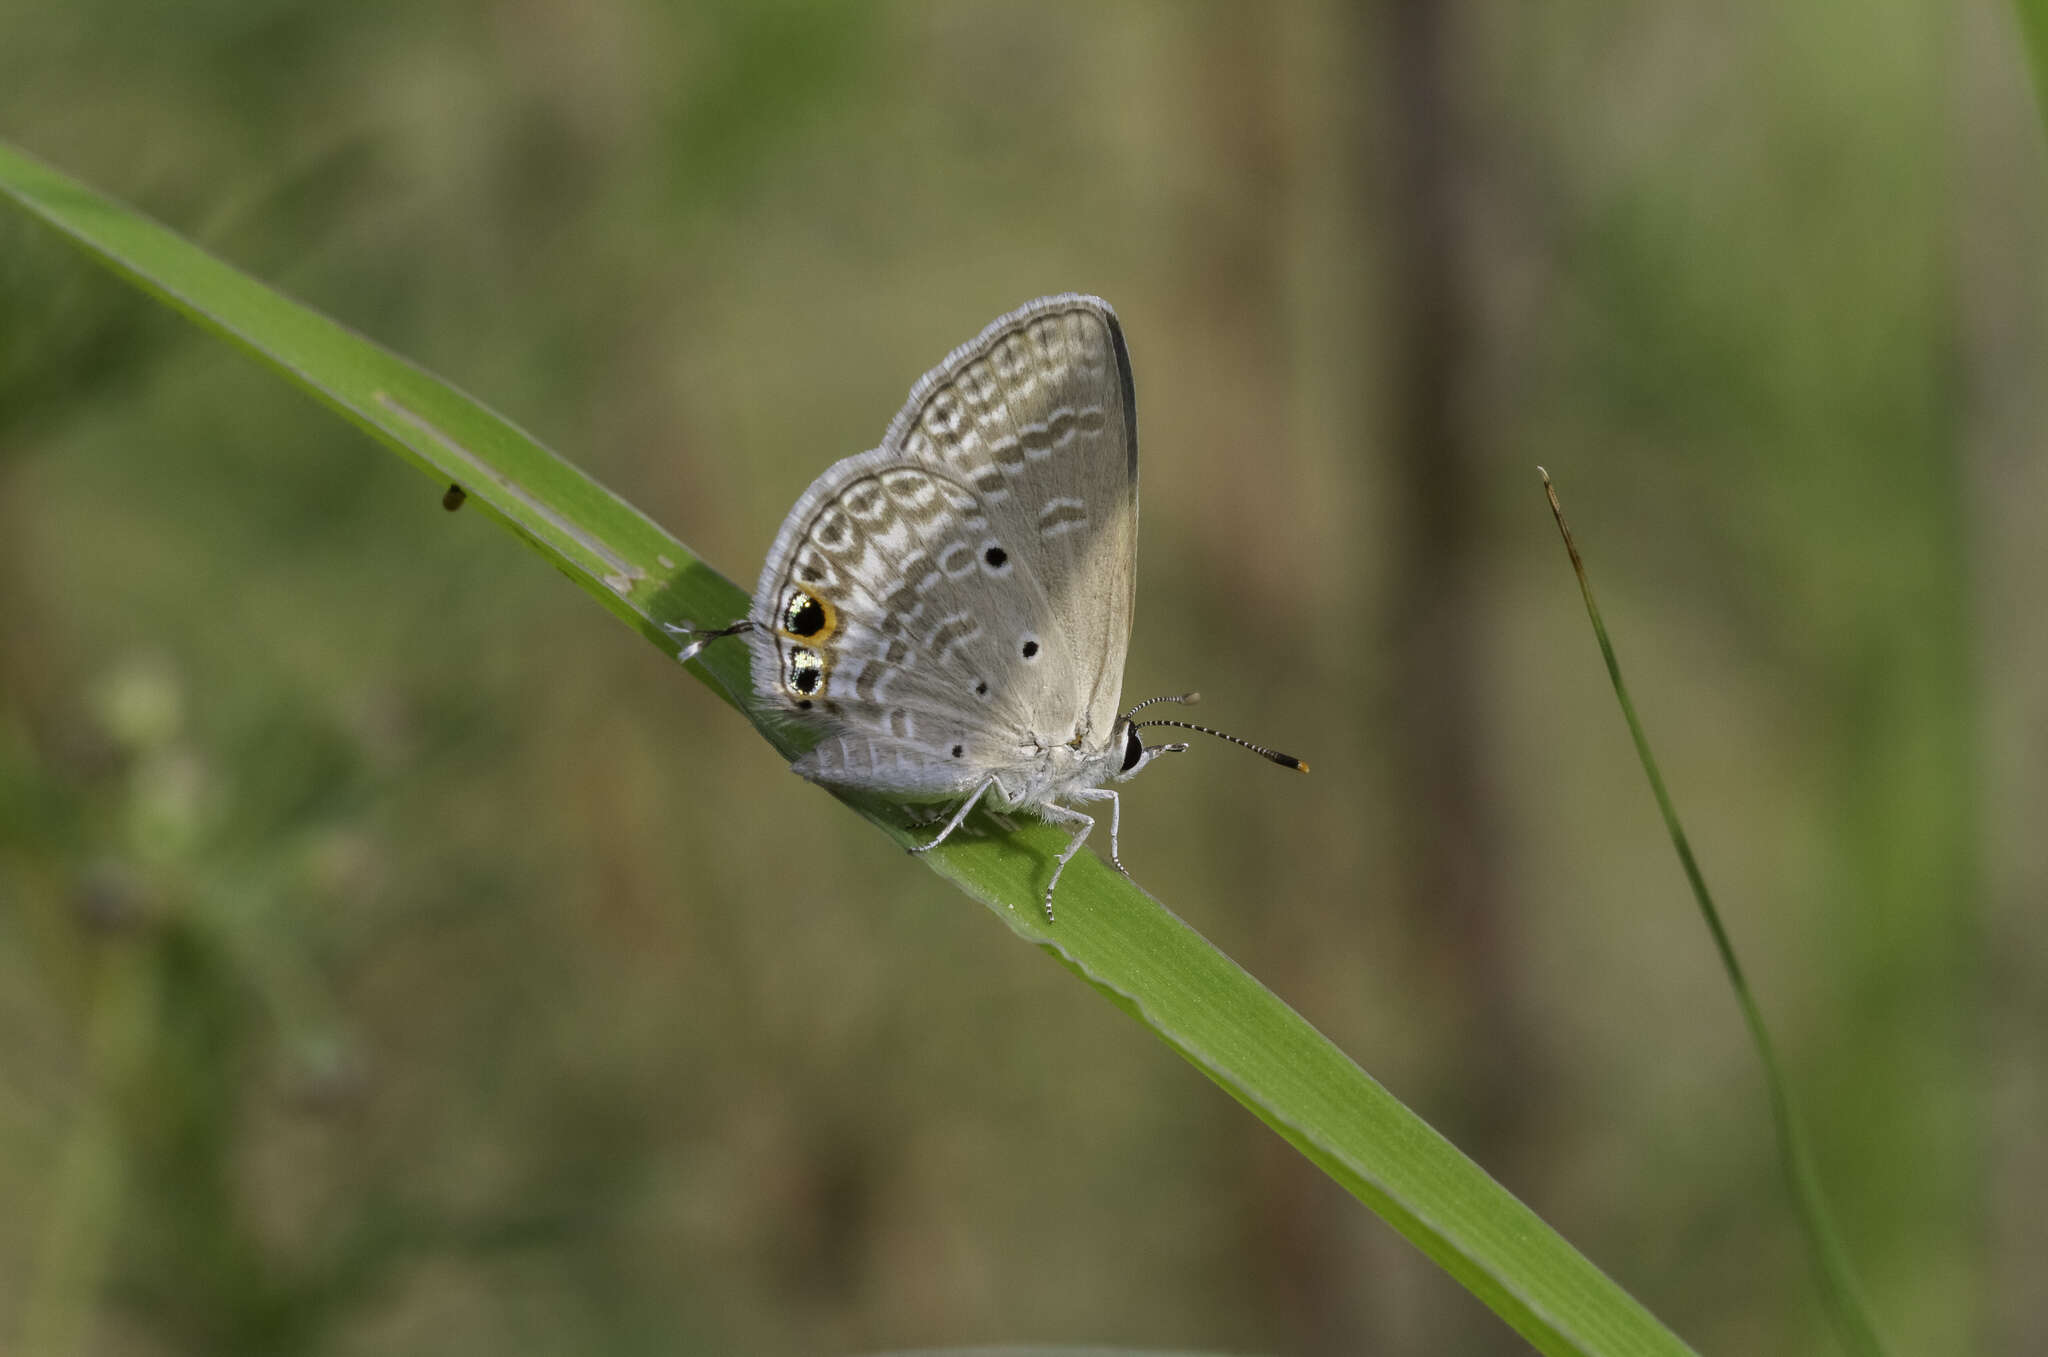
(806,616)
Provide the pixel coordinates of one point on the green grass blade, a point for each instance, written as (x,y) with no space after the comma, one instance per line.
(1112,934)
(1837,1278)
(591,535)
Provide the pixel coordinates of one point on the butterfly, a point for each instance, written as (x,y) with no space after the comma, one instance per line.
(950,611)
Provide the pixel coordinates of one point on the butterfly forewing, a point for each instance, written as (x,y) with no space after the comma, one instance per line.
(935,605)
(1038,417)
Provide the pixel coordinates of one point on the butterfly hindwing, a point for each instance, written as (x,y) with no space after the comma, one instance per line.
(887,609)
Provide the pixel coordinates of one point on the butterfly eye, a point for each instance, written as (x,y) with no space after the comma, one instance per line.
(1134,748)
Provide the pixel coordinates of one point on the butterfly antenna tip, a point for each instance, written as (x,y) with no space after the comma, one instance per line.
(1274,755)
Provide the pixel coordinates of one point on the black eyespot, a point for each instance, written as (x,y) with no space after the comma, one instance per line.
(1134,748)
(1030,649)
(958,750)
(981,688)
(995,556)
(806,671)
(804,616)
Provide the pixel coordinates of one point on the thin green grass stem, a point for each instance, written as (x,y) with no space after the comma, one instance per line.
(1846,1305)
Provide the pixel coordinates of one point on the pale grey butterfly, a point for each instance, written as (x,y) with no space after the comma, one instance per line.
(949,612)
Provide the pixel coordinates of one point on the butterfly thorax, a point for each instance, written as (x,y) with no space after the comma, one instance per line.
(1047,773)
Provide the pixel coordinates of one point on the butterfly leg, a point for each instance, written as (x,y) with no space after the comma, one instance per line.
(1116,815)
(958,816)
(1054,813)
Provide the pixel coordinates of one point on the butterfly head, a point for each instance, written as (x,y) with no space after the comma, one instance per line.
(1136,753)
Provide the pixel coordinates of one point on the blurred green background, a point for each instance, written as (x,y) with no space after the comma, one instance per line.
(396,955)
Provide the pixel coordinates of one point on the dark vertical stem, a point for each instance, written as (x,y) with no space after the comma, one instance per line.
(2003,351)
(1435,716)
